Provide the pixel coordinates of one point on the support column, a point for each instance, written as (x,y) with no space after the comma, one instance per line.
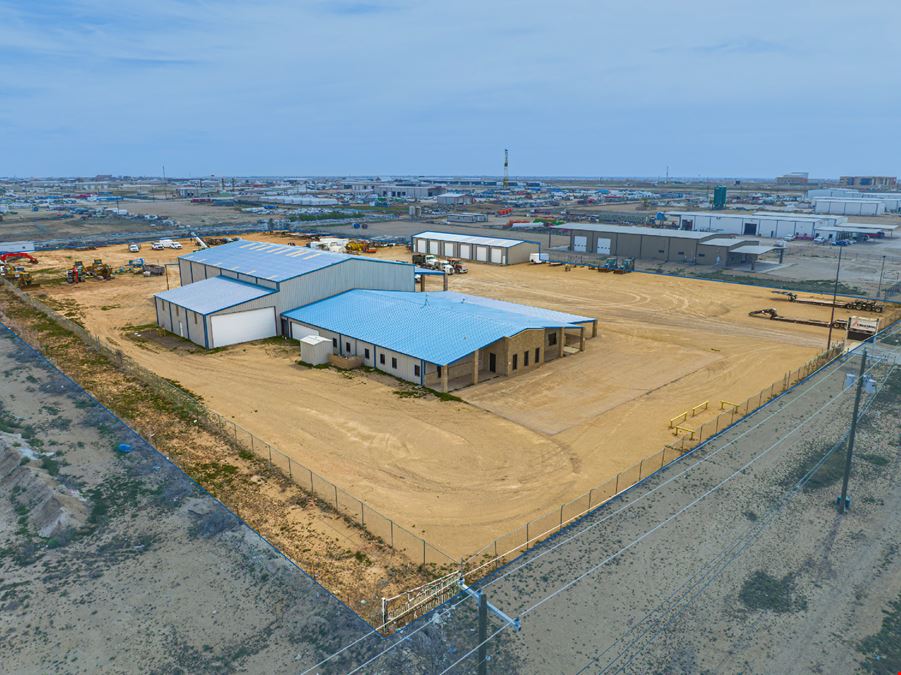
(445,280)
(475,367)
(444,379)
(561,335)
(422,283)
(581,338)
(594,329)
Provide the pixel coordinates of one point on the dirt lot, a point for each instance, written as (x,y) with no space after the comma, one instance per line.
(460,474)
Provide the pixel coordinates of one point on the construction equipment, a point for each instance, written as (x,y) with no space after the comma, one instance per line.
(773,315)
(154,270)
(17,275)
(608,265)
(858,304)
(19,255)
(201,244)
(625,266)
(359,246)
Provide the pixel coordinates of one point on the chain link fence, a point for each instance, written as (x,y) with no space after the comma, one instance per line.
(329,496)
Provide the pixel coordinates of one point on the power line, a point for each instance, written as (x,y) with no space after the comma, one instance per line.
(592,526)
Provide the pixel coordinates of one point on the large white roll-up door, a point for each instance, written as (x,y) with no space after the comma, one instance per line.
(465,252)
(230,329)
(299,332)
(421,245)
(449,249)
(580,244)
(497,256)
(433,247)
(482,253)
(603,246)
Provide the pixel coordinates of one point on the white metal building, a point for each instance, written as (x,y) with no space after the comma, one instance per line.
(237,292)
(466,218)
(492,250)
(849,207)
(758,224)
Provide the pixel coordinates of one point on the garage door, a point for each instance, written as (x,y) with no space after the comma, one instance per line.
(604,246)
(449,249)
(433,247)
(299,332)
(421,245)
(465,252)
(497,256)
(229,329)
(580,244)
(482,253)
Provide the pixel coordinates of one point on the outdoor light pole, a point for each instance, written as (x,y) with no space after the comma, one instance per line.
(838,268)
(843,500)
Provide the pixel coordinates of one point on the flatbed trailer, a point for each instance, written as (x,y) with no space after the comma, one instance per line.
(859,305)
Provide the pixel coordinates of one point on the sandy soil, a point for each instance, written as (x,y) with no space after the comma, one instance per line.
(461,474)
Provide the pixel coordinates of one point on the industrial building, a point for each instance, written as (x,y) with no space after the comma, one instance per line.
(849,207)
(667,245)
(492,250)
(870,182)
(891,200)
(367,309)
(441,340)
(453,199)
(466,218)
(758,224)
(236,292)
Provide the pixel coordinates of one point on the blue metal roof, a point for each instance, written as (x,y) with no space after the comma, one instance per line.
(213,294)
(438,327)
(275,262)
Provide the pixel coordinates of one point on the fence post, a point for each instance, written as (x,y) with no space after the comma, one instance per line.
(336,495)
(590,493)
(527,536)
(362,514)
(270,455)
(252,447)
(641,466)
(616,488)
(392,532)
(290,472)
(423,551)
(561,515)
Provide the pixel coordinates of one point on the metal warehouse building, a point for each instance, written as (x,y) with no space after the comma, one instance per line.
(759,224)
(237,292)
(651,243)
(633,241)
(849,207)
(442,340)
(477,249)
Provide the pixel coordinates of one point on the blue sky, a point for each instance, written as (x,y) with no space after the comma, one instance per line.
(391,87)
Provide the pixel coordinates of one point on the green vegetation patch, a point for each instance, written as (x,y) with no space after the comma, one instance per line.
(762,591)
(882,651)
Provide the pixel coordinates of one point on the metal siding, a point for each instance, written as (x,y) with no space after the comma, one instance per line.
(520,253)
(353,274)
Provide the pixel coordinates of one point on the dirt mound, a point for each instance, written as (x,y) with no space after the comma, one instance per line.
(51,508)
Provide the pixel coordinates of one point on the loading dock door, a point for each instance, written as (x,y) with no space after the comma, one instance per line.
(580,244)
(750,228)
(433,247)
(604,246)
(230,329)
(466,251)
(421,245)
(482,253)
(497,256)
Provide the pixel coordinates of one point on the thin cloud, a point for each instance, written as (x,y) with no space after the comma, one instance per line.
(739,46)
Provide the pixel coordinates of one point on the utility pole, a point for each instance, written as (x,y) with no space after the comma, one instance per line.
(881,275)
(483,633)
(506,169)
(838,268)
(844,501)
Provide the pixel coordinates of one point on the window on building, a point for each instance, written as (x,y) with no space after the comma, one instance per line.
(525,359)
(515,361)
(382,359)
(681,253)
(439,371)
(394,363)
(335,342)
(660,250)
(552,339)
(347,347)
(537,355)
(366,353)
(416,371)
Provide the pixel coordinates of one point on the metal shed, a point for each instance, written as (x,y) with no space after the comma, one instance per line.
(630,241)
(493,250)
